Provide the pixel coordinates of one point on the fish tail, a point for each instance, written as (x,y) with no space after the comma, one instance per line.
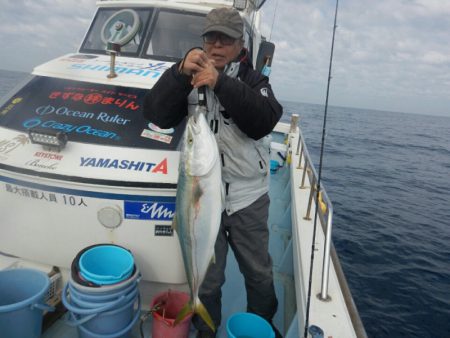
(198,309)
(201,310)
(186,310)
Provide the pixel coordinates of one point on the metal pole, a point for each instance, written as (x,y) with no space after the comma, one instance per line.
(302,186)
(294,123)
(311,195)
(327,257)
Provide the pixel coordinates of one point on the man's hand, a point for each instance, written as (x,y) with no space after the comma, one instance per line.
(202,69)
(194,62)
(206,77)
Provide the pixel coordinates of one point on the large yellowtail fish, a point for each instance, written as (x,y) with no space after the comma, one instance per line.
(198,206)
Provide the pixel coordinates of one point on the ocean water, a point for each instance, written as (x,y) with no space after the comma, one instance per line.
(8,80)
(388,175)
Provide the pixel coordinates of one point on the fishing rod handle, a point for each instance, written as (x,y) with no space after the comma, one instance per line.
(202,96)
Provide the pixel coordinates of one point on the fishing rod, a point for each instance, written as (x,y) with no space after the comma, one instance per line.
(319,179)
(273,20)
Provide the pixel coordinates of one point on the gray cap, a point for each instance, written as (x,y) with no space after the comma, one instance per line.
(225,20)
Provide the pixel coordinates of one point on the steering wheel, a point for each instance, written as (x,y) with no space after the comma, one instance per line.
(121,27)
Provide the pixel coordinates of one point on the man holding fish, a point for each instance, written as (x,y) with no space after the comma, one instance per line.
(240,113)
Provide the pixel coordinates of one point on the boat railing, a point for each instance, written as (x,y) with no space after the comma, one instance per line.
(325,215)
(324,207)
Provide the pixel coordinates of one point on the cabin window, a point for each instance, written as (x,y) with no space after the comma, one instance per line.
(163,34)
(174,33)
(124,26)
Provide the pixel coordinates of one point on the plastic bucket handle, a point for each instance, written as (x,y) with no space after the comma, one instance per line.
(119,333)
(43,307)
(136,278)
(97,296)
(90,311)
(124,298)
(90,301)
(73,321)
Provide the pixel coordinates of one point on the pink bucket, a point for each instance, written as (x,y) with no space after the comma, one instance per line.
(168,305)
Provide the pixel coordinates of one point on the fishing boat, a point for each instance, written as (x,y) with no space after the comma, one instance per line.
(79,166)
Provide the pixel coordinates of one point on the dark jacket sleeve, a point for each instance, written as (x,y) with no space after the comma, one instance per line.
(166,103)
(250,102)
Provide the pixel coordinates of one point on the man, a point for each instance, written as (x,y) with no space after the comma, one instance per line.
(242,111)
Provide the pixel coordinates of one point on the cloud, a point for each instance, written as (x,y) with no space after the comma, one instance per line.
(33,32)
(389,54)
(436,58)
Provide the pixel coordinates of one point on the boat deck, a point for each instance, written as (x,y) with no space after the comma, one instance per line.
(234,298)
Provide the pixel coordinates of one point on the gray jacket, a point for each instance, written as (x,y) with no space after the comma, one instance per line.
(245,161)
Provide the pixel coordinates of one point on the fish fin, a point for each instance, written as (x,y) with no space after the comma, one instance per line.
(174,223)
(184,312)
(213,259)
(200,309)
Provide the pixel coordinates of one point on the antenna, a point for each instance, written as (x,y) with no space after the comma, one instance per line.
(322,146)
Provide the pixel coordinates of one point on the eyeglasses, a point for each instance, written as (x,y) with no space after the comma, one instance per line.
(212,38)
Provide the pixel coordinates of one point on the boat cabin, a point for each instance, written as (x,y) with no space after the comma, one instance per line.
(76,152)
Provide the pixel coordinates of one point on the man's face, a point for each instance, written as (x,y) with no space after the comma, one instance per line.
(221,48)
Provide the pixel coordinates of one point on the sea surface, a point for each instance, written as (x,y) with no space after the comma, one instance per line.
(388,175)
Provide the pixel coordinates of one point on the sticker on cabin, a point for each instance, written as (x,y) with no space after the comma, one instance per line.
(121,164)
(45,160)
(7,146)
(154,210)
(10,106)
(45,196)
(163,230)
(151,70)
(160,137)
(71,129)
(87,112)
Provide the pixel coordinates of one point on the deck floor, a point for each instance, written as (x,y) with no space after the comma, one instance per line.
(234,298)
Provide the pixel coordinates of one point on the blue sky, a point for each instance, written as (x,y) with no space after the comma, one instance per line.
(389,54)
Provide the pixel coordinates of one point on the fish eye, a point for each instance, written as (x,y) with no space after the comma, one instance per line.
(190,140)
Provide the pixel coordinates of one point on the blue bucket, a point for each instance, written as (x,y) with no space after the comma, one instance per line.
(103,312)
(115,321)
(248,325)
(106,264)
(22,293)
(111,321)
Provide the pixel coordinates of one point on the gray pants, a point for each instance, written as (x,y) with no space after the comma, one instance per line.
(247,233)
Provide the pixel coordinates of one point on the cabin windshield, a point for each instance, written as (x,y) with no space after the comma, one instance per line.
(156,33)
(164,34)
(174,33)
(124,26)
